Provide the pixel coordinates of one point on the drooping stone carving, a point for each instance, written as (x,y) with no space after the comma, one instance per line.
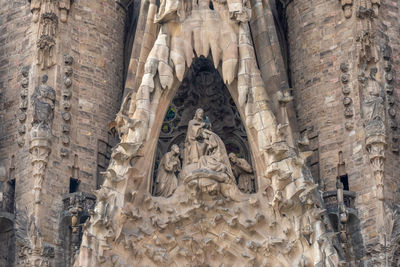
(207,220)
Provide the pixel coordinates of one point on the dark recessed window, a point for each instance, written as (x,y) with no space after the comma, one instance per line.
(345,181)
(73,185)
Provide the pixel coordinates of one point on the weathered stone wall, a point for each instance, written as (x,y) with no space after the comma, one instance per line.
(389,37)
(320,39)
(15,53)
(328,102)
(94,36)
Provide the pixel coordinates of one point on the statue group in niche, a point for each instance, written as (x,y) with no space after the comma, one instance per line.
(204,151)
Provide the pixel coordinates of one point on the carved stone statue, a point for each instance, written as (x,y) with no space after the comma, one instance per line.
(43,100)
(243,173)
(206,163)
(215,157)
(166,181)
(195,147)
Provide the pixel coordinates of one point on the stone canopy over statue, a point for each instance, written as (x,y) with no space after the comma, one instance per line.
(205,161)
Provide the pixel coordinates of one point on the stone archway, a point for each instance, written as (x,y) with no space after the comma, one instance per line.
(203,88)
(207,220)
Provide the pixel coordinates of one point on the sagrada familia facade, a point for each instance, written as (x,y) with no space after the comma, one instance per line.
(199,133)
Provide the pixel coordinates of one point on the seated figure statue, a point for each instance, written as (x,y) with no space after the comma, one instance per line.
(206,161)
(166,181)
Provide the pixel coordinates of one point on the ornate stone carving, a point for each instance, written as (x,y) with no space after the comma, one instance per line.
(347,101)
(389,90)
(21,116)
(374,115)
(46,43)
(367,48)
(38,6)
(66,95)
(77,206)
(43,101)
(32,250)
(243,173)
(166,181)
(207,220)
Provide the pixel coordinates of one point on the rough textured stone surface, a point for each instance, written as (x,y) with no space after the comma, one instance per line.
(93,97)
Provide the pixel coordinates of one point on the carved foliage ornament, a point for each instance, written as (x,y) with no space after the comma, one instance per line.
(208,220)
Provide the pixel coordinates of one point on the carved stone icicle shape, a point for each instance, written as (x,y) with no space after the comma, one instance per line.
(206,220)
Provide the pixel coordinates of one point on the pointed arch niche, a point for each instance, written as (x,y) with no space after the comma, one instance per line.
(203,88)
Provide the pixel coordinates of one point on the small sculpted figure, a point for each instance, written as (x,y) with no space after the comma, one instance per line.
(243,172)
(166,181)
(195,147)
(43,100)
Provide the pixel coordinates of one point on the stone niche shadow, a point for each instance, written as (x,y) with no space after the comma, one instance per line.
(203,88)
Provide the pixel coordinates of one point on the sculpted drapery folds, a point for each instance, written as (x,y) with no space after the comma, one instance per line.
(243,173)
(194,145)
(167,181)
(207,220)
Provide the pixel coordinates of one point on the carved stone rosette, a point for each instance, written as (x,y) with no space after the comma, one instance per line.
(38,6)
(23,106)
(347,101)
(66,94)
(390,98)
(47,40)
